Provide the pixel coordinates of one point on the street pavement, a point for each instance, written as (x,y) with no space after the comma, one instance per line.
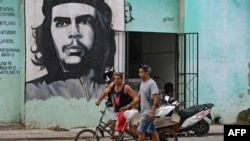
(216,131)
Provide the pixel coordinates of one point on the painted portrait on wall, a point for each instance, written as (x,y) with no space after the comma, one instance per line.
(70,44)
(161,16)
(128,12)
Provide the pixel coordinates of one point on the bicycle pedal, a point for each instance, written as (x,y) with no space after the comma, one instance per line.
(115,138)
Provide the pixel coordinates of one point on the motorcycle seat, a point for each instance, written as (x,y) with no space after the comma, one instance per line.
(209,105)
(184,113)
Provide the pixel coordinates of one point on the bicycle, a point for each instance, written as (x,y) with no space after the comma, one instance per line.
(165,133)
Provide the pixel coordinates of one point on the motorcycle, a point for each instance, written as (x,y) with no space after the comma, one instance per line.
(190,119)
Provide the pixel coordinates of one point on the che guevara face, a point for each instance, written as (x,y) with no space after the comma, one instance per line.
(72,31)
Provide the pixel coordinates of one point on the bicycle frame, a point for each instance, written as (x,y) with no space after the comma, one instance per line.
(90,134)
(102,124)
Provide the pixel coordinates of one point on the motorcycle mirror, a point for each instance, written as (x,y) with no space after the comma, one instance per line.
(166,98)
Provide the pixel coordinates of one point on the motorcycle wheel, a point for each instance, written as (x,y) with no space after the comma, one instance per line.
(201,128)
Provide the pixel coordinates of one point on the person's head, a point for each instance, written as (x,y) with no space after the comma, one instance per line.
(76,31)
(75,36)
(168,87)
(144,71)
(118,78)
(128,12)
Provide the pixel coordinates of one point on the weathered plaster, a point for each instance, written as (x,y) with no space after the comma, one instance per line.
(224,40)
(63,112)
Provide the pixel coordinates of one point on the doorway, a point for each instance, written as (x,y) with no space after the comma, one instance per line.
(173,58)
(155,49)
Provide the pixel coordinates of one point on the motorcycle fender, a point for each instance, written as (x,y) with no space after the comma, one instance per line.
(195,118)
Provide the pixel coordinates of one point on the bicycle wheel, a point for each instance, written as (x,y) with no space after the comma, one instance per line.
(86,135)
(167,134)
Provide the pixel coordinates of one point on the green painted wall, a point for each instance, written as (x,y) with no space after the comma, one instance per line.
(153,16)
(62,112)
(11,64)
(224,66)
(224,53)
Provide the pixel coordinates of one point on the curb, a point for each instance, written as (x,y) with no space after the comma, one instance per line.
(12,126)
(72,137)
(7,134)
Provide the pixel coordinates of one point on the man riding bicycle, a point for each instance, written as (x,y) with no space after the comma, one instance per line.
(123,96)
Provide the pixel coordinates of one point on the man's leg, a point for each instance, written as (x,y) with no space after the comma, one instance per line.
(142,128)
(105,126)
(113,119)
(107,123)
(153,132)
(155,136)
(113,124)
(141,136)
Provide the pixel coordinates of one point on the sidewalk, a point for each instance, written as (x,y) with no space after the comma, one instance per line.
(44,134)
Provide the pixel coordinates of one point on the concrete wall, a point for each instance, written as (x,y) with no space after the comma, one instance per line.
(224,41)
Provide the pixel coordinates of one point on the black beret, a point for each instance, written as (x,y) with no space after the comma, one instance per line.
(49,4)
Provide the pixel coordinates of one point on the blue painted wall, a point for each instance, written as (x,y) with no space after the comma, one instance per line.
(153,16)
(224,53)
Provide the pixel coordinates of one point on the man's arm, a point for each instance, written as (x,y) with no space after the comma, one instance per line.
(104,93)
(131,93)
(154,105)
(155,102)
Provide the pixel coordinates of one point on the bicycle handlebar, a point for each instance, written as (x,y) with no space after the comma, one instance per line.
(106,106)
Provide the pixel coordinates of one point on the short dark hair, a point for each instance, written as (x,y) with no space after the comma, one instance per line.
(168,87)
(119,74)
(102,53)
(146,68)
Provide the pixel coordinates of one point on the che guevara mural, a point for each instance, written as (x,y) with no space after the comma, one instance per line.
(70,44)
(75,44)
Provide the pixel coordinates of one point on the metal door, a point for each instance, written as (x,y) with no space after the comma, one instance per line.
(187,62)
